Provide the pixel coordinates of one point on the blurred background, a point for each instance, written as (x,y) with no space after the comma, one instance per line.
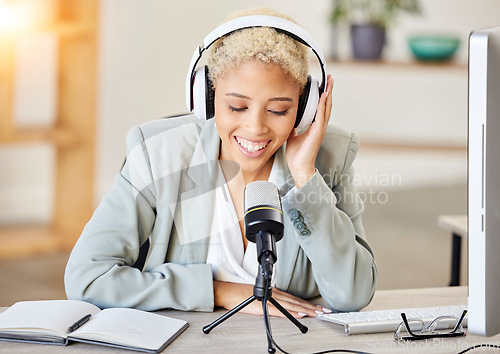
(76,75)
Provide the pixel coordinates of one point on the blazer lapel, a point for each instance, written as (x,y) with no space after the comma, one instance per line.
(288,245)
(194,212)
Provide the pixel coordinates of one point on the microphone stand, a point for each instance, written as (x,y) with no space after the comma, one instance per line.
(261,291)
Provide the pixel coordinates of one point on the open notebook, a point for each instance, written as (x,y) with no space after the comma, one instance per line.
(48,322)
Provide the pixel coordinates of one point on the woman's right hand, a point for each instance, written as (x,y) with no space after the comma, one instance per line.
(229,295)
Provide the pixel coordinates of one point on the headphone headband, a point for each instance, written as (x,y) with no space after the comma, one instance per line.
(280,24)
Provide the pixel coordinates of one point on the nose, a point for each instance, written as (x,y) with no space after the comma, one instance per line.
(256,122)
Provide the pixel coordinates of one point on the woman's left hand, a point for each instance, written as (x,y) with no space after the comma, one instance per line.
(229,295)
(301,150)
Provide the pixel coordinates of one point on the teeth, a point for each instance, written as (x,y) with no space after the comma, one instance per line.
(251,147)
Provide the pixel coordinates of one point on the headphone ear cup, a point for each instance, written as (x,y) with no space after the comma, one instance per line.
(308,103)
(302,101)
(210,96)
(203,94)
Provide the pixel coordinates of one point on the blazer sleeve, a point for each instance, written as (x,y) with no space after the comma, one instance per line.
(325,215)
(101,268)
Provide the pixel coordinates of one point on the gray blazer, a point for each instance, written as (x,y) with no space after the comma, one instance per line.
(163,198)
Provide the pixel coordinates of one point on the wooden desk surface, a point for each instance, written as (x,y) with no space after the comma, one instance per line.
(246,334)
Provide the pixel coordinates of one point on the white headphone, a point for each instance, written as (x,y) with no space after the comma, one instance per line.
(199,91)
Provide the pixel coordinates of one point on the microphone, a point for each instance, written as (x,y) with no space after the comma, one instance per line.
(263,221)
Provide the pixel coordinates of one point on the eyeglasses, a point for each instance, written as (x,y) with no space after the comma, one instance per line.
(415,329)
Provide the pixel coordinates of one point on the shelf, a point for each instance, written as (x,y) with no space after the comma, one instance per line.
(27,241)
(58,137)
(393,64)
(406,146)
(71,30)
(64,29)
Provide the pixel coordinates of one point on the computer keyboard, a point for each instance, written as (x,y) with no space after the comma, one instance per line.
(389,320)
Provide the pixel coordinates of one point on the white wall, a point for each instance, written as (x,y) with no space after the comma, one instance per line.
(403,104)
(145,48)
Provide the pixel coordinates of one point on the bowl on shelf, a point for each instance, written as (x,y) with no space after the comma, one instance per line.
(433,48)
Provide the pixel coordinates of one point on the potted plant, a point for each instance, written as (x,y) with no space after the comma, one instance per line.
(368,20)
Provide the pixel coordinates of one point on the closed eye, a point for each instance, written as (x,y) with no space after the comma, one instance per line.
(279,113)
(236,109)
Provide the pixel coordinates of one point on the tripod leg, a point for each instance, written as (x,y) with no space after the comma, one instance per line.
(267,323)
(299,325)
(228,314)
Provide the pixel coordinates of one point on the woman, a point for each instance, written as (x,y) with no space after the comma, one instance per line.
(180,197)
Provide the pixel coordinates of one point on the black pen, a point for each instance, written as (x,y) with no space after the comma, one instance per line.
(79,323)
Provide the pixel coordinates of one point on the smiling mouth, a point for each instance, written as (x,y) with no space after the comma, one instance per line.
(251,146)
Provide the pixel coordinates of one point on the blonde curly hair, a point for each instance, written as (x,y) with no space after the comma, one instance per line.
(262,43)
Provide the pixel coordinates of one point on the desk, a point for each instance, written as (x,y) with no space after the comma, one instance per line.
(457,225)
(246,334)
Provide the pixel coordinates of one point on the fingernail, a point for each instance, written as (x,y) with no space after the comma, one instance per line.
(319,312)
(326,310)
(302,314)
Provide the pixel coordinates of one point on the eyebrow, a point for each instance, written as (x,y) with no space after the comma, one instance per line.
(279,99)
(234,94)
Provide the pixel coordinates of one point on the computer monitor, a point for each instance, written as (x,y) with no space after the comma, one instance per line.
(484,182)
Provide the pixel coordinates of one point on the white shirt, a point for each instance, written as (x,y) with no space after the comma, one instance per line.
(230,261)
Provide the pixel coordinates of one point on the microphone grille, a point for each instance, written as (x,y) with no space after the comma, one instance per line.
(261,193)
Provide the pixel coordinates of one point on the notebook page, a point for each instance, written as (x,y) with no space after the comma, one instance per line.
(52,316)
(130,327)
